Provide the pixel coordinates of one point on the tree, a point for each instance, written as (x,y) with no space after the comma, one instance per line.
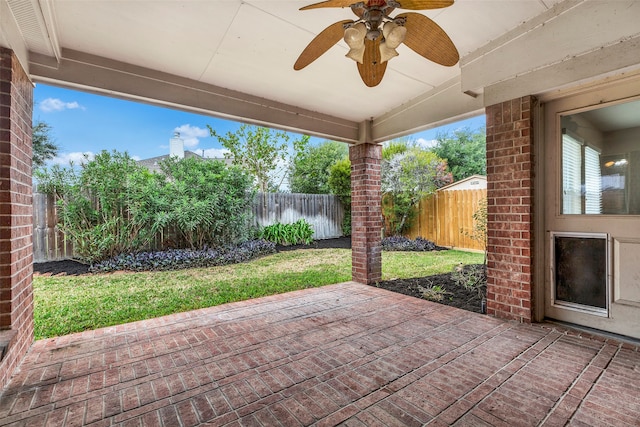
(44,147)
(396,146)
(340,185)
(263,153)
(407,178)
(309,171)
(465,152)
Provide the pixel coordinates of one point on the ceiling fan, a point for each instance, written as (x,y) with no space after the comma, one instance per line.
(374,36)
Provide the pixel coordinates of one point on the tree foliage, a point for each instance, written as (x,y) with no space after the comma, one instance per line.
(206,201)
(44,147)
(340,184)
(464,150)
(262,152)
(309,171)
(407,178)
(396,146)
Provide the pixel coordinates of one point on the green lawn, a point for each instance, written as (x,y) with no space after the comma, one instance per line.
(67,304)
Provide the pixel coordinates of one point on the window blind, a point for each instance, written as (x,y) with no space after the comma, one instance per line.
(571,176)
(592,181)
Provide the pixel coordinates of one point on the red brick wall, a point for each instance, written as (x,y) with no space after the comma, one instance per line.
(510,209)
(16,223)
(366,213)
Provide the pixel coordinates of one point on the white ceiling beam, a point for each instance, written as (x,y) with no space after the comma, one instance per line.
(572,38)
(441,105)
(617,59)
(107,77)
(11,37)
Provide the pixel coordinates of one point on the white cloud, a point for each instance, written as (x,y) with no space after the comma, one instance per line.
(50,105)
(424,143)
(214,153)
(76,157)
(191,134)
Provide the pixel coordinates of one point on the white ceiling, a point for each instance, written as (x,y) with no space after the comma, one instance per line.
(233,58)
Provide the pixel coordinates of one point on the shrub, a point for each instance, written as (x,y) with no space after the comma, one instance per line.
(300,232)
(174,259)
(98,202)
(401,243)
(111,205)
(340,185)
(207,202)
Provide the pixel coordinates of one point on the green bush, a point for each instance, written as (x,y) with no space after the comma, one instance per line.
(300,232)
(98,203)
(207,202)
(111,205)
(340,185)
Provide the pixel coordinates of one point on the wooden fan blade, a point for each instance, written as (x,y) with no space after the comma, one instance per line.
(428,39)
(320,44)
(371,70)
(330,3)
(404,4)
(424,4)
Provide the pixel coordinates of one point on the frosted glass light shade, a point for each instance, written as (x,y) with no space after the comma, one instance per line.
(393,36)
(354,37)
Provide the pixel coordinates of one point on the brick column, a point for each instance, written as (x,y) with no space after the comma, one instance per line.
(16,221)
(510,210)
(366,213)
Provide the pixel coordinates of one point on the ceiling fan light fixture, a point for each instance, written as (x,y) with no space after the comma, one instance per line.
(354,37)
(375,35)
(394,35)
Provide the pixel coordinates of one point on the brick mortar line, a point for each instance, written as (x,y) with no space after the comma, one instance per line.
(592,383)
(558,338)
(515,360)
(487,336)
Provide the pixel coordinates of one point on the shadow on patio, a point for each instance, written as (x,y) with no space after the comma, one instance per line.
(345,353)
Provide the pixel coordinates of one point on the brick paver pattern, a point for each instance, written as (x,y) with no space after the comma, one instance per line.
(345,354)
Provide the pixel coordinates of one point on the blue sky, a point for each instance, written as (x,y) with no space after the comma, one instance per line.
(86,123)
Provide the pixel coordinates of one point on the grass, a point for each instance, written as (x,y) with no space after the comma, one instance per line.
(67,304)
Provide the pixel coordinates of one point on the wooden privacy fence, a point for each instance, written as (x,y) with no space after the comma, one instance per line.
(49,243)
(445,216)
(323,211)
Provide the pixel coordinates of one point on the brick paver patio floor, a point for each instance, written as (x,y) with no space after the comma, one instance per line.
(346,354)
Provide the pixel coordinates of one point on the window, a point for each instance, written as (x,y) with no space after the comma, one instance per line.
(601,161)
(581,181)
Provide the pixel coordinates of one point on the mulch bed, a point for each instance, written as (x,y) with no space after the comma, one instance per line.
(454,295)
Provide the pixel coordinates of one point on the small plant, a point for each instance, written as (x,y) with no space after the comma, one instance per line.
(433,293)
(400,243)
(175,259)
(299,232)
(473,277)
